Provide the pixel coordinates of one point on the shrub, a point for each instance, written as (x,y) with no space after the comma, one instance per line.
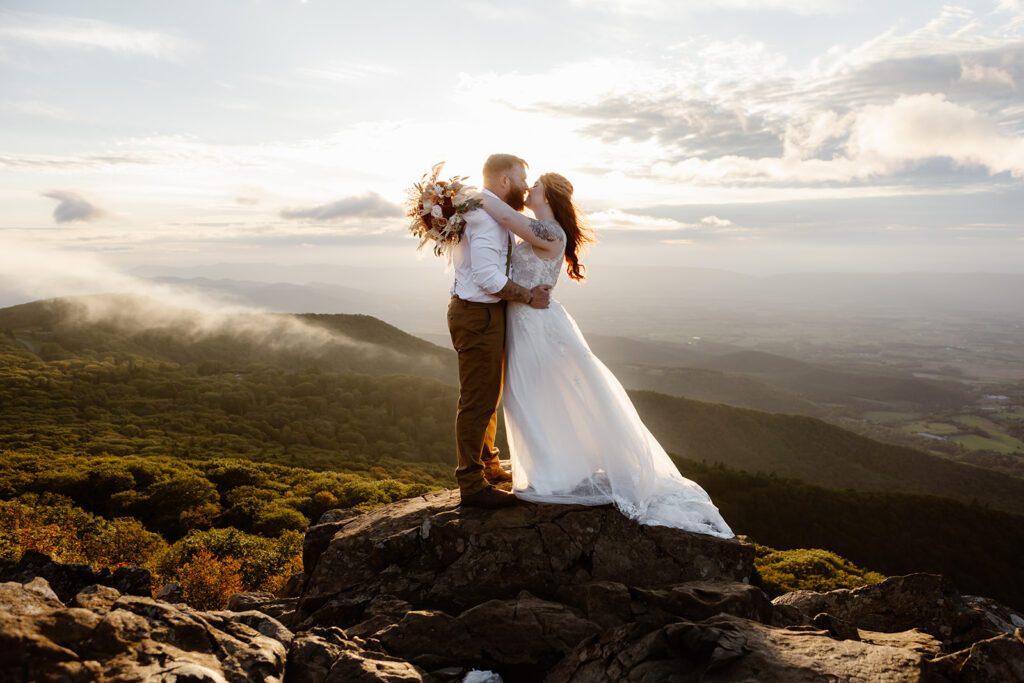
(261,560)
(208,581)
(52,525)
(783,571)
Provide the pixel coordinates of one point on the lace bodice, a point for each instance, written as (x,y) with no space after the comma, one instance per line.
(530,270)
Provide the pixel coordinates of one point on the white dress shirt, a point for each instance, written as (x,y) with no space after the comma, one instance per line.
(480,259)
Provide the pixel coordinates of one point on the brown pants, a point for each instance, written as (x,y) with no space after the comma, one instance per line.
(478,334)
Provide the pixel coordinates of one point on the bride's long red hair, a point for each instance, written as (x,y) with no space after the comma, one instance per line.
(558,191)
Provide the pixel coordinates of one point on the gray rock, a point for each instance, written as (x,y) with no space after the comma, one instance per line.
(170,592)
(928,602)
(836,627)
(698,600)
(96,598)
(66,580)
(324,655)
(268,603)
(730,648)
(261,623)
(34,597)
(293,587)
(109,636)
(339,515)
(432,553)
(527,632)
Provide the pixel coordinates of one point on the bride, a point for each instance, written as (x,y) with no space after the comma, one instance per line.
(573,434)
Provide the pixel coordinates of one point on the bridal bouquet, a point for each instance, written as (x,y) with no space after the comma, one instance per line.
(436,209)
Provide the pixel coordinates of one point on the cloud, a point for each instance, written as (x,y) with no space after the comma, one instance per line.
(664,8)
(715,221)
(37,272)
(617,220)
(75,32)
(920,127)
(36,109)
(736,114)
(345,72)
(72,206)
(988,75)
(369,205)
(693,127)
(56,162)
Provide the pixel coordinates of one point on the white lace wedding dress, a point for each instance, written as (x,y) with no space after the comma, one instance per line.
(573,434)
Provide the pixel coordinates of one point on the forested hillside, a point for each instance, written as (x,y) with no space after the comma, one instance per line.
(155,435)
(114,387)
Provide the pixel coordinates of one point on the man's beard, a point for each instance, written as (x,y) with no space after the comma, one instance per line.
(515,198)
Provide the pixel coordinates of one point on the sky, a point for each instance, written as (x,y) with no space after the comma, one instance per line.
(758,136)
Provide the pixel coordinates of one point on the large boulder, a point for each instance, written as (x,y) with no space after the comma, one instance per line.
(994,659)
(436,555)
(105,635)
(329,655)
(526,634)
(730,648)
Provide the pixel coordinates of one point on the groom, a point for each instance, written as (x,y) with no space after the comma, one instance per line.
(476,321)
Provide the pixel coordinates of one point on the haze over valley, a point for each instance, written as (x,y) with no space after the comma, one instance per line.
(930,360)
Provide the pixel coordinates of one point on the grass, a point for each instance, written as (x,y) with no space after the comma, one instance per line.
(976,421)
(889,416)
(938,428)
(1000,443)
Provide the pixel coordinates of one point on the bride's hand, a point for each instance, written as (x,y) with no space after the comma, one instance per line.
(489,203)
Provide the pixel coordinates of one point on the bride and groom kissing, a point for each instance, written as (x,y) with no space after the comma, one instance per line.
(573,433)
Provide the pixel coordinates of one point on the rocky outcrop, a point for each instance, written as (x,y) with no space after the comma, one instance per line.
(66,580)
(927,602)
(104,635)
(730,648)
(432,553)
(422,590)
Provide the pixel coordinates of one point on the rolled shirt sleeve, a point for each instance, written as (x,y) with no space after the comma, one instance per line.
(489,251)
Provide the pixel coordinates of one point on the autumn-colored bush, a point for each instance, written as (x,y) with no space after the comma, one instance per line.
(276,582)
(262,561)
(122,542)
(208,581)
(53,526)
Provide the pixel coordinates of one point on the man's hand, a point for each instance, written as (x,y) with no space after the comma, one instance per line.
(541,296)
(538,297)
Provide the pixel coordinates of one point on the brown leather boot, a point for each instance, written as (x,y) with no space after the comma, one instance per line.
(488,497)
(498,476)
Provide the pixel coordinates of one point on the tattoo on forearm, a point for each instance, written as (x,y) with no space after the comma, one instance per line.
(541,230)
(513,292)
